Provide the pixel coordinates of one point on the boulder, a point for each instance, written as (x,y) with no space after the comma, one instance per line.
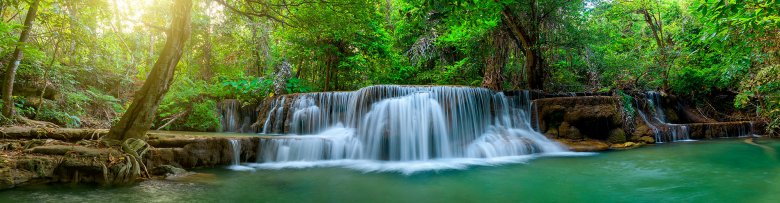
(617,135)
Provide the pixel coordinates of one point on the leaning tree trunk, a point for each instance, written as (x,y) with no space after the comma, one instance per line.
(16,58)
(139,116)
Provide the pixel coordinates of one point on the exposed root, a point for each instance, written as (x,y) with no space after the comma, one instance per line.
(95,135)
(33,123)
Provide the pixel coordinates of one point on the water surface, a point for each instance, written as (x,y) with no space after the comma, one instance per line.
(704,171)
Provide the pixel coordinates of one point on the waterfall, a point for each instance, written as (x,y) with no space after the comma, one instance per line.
(679,132)
(235,162)
(234,117)
(673,132)
(655,100)
(668,132)
(656,132)
(408,124)
(229,115)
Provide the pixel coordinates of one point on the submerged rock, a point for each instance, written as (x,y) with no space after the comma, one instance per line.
(624,146)
(585,145)
(168,170)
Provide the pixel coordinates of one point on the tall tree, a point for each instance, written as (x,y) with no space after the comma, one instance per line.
(526,35)
(16,58)
(139,117)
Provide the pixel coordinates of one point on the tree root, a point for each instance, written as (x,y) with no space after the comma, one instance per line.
(33,123)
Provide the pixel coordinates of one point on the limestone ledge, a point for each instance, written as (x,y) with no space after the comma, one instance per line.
(51,155)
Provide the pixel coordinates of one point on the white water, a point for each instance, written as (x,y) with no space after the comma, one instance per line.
(674,132)
(234,117)
(235,148)
(402,128)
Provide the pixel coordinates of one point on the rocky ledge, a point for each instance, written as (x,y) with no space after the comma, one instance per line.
(39,155)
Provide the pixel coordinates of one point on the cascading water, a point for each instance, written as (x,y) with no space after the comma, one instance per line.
(668,132)
(656,132)
(655,99)
(235,149)
(229,115)
(423,127)
(674,132)
(236,118)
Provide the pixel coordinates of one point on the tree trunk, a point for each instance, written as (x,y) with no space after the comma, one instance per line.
(494,64)
(656,26)
(45,78)
(16,58)
(140,115)
(526,39)
(205,70)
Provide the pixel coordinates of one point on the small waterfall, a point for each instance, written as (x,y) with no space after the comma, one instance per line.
(655,99)
(668,132)
(656,132)
(229,111)
(236,118)
(672,132)
(235,162)
(402,124)
(679,132)
(275,116)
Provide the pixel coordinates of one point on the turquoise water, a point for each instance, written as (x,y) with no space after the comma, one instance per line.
(703,171)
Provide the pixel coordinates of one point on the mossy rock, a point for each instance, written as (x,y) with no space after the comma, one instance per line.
(41,166)
(617,136)
(587,145)
(626,145)
(552,132)
(168,170)
(568,131)
(647,139)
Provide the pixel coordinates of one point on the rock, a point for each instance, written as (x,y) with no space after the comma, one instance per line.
(191,177)
(568,131)
(647,139)
(553,132)
(585,145)
(592,116)
(168,170)
(626,145)
(617,136)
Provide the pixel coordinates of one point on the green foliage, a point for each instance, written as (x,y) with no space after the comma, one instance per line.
(190,103)
(628,104)
(247,90)
(202,117)
(91,56)
(762,92)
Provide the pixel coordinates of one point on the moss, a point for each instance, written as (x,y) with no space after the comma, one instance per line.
(568,131)
(40,166)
